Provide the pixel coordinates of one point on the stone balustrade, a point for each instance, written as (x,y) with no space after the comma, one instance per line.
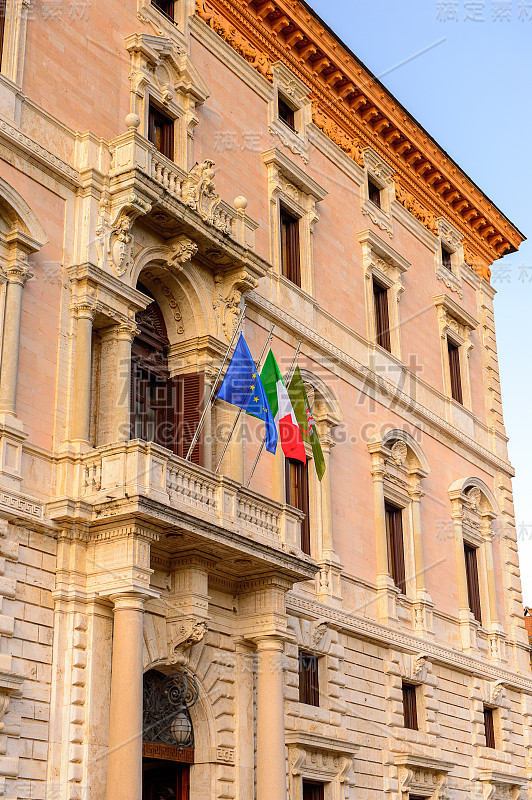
(132,468)
(195,189)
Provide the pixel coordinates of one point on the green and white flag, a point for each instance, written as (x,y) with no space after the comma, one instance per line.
(307,426)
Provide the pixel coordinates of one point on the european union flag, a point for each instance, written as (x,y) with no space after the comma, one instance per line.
(242,387)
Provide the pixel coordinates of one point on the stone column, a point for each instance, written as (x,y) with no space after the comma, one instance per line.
(81,389)
(124,339)
(327,545)
(271,757)
(124,759)
(17,275)
(487,534)
(463,596)
(381,539)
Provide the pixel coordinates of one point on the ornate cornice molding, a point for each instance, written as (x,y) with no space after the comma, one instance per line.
(351,107)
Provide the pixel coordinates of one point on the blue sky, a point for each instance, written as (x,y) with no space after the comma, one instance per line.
(472,92)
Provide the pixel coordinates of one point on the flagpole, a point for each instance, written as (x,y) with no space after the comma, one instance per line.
(289,378)
(214,387)
(257,367)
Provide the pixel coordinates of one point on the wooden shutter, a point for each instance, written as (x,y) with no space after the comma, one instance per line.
(166,6)
(286,113)
(410,706)
(396,555)
(309,690)
(189,410)
(296,485)
(489,728)
(290,251)
(374,193)
(446,258)
(161,132)
(454,369)
(382,319)
(313,791)
(473,591)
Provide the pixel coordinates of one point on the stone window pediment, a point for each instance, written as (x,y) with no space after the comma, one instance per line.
(451,240)
(320,758)
(380,174)
(294,92)
(500,785)
(422,775)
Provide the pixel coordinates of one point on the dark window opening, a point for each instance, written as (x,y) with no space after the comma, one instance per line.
(166,6)
(446,257)
(290,255)
(313,791)
(296,480)
(164,410)
(161,132)
(286,113)
(374,193)
(309,690)
(382,319)
(396,556)
(473,591)
(454,369)
(410,706)
(489,727)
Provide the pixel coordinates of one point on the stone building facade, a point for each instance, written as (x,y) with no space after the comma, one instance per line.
(165,631)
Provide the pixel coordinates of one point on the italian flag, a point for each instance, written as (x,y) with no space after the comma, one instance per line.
(281,407)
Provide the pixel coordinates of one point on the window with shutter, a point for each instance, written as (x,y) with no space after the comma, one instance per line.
(382,319)
(290,253)
(489,727)
(410,706)
(309,690)
(454,370)
(166,6)
(313,791)
(446,257)
(396,556)
(190,407)
(374,193)
(161,131)
(286,113)
(473,591)
(296,485)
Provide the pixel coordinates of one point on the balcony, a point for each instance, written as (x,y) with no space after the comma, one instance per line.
(189,508)
(173,202)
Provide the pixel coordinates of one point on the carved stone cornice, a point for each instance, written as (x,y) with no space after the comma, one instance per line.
(354,109)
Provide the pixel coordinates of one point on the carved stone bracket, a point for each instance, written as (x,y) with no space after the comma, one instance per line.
(182,634)
(320,758)
(114,240)
(423,776)
(228,291)
(182,250)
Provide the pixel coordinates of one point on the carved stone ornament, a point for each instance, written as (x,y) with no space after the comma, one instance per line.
(424,776)
(114,241)
(182,250)
(409,202)
(475,496)
(399,453)
(319,634)
(228,291)
(181,635)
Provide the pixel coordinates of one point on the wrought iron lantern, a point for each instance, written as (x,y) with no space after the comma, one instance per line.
(167,699)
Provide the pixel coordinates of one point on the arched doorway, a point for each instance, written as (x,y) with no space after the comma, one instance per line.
(168,735)
(165,409)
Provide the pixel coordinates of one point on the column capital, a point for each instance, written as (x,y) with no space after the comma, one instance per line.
(272,643)
(18,271)
(84,309)
(129,600)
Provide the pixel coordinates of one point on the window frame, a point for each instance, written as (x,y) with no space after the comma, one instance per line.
(381,307)
(317,790)
(374,192)
(410,706)
(302,501)
(454,362)
(473,581)
(168,130)
(158,4)
(291,112)
(309,688)
(489,727)
(290,244)
(396,548)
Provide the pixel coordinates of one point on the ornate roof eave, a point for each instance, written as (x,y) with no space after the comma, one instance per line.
(353,108)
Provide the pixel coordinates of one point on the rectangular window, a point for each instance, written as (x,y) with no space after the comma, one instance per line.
(166,6)
(374,193)
(286,113)
(290,254)
(396,555)
(313,791)
(309,690)
(410,706)
(446,258)
(470,554)
(382,319)
(161,132)
(296,478)
(454,370)
(489,728)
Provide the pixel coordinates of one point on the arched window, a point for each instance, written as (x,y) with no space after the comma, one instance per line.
(165,409)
